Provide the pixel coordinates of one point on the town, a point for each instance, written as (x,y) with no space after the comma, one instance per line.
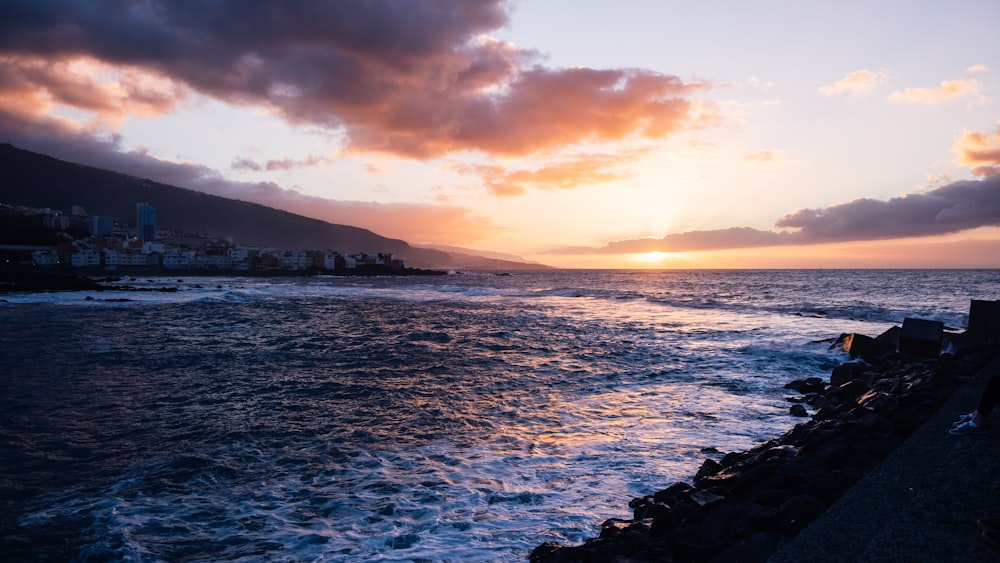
(78,242)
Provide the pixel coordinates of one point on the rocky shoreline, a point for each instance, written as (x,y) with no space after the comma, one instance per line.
(746,505)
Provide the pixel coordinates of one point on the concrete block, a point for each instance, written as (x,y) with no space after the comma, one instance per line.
(921,338)
(984,317)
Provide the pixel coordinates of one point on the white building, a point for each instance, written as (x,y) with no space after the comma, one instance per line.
(241,253)
(176,259)
(85,259)
(137,259)
(348,261)
(113,258)
(214,261)
(296,260)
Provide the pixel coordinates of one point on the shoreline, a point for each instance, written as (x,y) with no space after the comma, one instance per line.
(27,281)
(749,505)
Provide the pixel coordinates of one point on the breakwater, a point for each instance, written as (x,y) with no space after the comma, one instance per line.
(745,506)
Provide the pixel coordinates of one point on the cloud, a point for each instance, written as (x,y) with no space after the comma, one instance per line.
(285,163)
(583,169)
(956,207)
(416,79)
(243,163)
(978,68)
(951,208)
(736,237)
(37,86)
(979,150)
(968,89)
(857,82)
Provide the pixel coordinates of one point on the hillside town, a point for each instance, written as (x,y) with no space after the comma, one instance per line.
(76,241)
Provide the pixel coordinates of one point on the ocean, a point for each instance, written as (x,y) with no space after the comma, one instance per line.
(467,417)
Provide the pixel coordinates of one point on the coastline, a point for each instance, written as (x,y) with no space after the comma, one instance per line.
(749,506)
(24,280)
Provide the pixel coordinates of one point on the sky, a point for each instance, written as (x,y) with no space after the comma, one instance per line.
(576,134)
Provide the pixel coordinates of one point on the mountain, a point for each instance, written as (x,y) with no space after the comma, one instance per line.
(466,258)
(36,180)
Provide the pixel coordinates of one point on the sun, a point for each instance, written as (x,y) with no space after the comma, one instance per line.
(657,257)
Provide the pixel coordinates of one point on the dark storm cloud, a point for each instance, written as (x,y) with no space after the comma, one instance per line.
(414,78)
(956,207)
(948,209)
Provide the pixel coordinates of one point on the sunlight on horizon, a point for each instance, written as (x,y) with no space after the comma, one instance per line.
(658,257)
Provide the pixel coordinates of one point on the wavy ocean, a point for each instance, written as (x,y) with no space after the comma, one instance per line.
(466,417)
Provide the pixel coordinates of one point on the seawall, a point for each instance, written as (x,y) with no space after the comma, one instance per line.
(921,503)
(872,476)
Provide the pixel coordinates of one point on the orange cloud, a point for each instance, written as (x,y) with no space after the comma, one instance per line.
(857,82)
(35,86)
(979,150)
(581,170)
(947,90)
(537,110)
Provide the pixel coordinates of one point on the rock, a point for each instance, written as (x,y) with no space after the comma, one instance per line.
(702,498)
(708,468)
(794,514)
(806,386)
(672,495)
(890,338)
(648,508)
(845,372)
(848,391)
(867,348)
(798,410)
(756,547)
(839,342)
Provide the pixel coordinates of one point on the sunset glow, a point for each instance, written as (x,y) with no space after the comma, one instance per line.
(658,258)
(645,135)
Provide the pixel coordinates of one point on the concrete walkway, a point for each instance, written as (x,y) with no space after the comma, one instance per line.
(921,503)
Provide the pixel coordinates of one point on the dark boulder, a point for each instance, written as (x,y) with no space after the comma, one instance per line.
(867,348)
(846,372)
(807,386)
